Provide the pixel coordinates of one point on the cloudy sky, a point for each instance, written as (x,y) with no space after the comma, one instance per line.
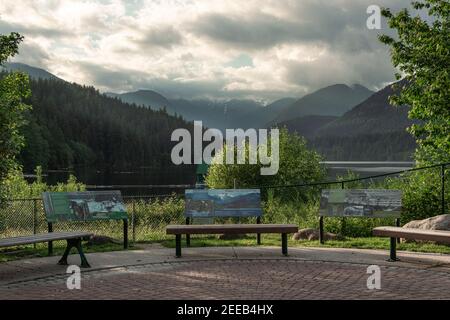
(206,48)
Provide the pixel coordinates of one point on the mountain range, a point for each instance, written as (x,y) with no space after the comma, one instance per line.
(342,122)
(334,100)
(33,72)
(372,130)
(220,114)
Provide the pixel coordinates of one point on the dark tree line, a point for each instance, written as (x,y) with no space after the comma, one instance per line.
(72,125)
(390,146)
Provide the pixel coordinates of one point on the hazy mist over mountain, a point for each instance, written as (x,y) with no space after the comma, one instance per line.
(331,118)
(31,71)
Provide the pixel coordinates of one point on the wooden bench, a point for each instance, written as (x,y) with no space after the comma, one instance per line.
(408,233)
(221,203)
(73,241)
(70,207)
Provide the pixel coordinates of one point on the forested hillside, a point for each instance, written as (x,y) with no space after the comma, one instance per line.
(306,126)
(72,125)
(390,146)
(333,100)
(373,130)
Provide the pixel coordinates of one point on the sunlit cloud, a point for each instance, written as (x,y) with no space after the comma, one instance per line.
(219,49)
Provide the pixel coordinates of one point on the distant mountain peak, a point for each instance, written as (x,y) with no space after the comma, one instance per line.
(145,97)
(33,72)
(373,115)
(333,100)
(358,86)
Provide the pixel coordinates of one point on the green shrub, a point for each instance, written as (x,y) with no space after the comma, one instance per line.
(152,216)
(297,165)
(18,188)
(16,215)
(158,211)
(421,193)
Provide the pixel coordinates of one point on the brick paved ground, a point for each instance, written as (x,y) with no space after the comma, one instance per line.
(239,279)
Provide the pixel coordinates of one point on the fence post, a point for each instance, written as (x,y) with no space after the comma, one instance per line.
(133,225)
(125,233)
(343,222)
(321,238)
(34,219)
(442,188)
(50,243)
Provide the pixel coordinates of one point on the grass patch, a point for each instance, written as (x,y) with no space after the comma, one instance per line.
(24,252)
(275,240)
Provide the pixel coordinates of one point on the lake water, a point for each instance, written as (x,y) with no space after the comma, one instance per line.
(165,181)
(365,168)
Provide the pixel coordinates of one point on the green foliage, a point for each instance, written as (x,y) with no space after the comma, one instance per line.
(297,165)
(278,210)
(421,193)
(422,53)
(306,215)
(421,199)
(14,89)
(9,46)
(151,216)
(158,210)
(16,187)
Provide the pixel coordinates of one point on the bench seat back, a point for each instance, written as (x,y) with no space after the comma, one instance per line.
(84,206)
(213,203)
(370,203)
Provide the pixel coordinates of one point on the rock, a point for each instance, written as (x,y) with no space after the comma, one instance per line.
(96,240)
(230,236)
(313,234)
(441,222)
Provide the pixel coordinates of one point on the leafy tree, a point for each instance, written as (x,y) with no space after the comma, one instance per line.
(14,89)
(297,165)
(422,53)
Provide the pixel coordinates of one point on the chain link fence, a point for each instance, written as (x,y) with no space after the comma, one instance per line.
(147,218)
(149,215)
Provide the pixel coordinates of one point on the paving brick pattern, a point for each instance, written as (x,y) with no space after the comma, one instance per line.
(239,279)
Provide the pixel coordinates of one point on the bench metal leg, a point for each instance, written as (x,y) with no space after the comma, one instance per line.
(74,243)
(188,236)
(178,245)
(50,248)
(393,250)
(50,243)
(397,224)
(188,240)
(258,236)
(284,246)
(125,233)
(321,238)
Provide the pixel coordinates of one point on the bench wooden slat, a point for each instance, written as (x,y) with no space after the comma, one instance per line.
(231,228)
(42,237)
(409,233)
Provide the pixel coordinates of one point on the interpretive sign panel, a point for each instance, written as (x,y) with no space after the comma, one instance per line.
(371,203)
(202,203)
(84,206)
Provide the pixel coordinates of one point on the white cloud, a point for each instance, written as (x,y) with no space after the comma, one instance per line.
(184,48)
